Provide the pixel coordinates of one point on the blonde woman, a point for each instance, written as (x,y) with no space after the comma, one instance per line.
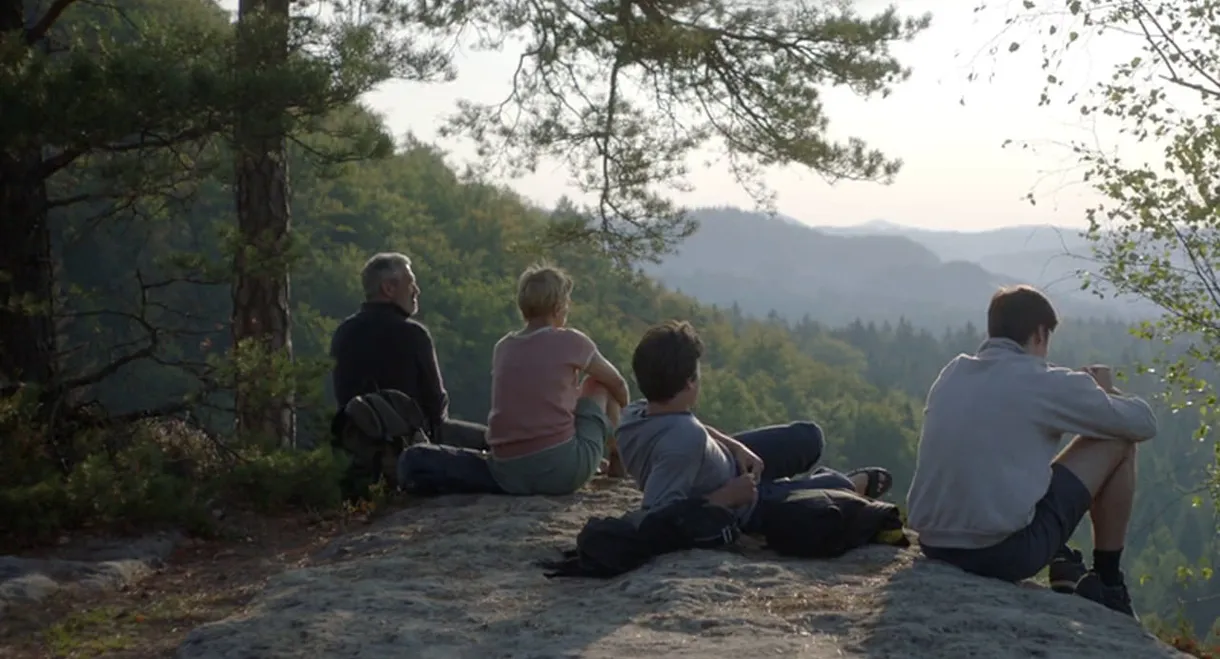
(555,400)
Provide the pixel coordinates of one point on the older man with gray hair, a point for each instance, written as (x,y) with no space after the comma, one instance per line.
(383,347)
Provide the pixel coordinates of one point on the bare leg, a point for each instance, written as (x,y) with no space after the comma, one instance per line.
(594,391)
(1111,511)
(1107,468)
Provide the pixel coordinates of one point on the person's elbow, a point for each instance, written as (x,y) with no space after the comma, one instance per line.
(612,380)
(621,392)
(1144,426)
(1136,422)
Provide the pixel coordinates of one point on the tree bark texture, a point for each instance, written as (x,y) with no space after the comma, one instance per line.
(261,297)
(27,267)
(27,274)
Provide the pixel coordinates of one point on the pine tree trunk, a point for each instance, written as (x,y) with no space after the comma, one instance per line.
(27,284)
(27,273)
(261,312)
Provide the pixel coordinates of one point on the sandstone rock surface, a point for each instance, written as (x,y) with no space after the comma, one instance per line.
(453,578)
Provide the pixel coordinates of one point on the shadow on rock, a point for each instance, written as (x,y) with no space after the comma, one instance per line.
(931,609)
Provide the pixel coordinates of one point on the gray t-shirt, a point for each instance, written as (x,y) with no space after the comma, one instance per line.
(672,457)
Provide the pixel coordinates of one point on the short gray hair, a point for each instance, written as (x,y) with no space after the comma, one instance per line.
(380,268)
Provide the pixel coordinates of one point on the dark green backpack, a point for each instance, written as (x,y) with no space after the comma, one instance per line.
(372,430)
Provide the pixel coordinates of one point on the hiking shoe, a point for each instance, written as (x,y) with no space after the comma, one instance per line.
(1066,572)
(1090,587)
(1116,598)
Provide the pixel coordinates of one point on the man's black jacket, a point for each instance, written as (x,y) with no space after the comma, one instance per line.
(380,347)
(806,524)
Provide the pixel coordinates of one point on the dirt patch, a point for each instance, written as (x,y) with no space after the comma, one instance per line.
(201,581)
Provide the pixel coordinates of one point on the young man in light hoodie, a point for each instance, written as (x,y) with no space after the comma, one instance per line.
(992,493)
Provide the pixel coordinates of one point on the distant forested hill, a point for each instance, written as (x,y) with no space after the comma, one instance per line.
(874,272)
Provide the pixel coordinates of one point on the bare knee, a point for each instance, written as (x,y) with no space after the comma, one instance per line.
(1093,461)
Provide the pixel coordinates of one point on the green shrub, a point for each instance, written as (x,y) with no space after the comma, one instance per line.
(31,514)
(132,488)
(281,479)
(150,474)
(1180,634)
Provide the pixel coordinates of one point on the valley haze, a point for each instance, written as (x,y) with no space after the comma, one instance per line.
(879,271)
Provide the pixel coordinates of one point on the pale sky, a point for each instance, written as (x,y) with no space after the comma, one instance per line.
(956,174)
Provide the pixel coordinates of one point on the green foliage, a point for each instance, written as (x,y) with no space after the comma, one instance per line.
(1156,234)
(1182,635)
(276,480)
(99,85)
(131,486)
(110,486)
(144,475)
(158,73)
(625,93)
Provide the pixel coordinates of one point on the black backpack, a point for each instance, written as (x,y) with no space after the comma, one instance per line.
(609,546)
(372,430)
(828,523)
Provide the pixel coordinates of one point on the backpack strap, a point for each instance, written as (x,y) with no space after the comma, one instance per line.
(408,410)
(387,414)
(391,424)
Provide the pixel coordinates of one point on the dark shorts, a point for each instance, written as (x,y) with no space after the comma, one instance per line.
(1024,553)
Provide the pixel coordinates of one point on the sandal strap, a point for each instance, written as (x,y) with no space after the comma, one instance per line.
(876,486)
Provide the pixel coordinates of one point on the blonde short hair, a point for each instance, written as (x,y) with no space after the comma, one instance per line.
(542,290)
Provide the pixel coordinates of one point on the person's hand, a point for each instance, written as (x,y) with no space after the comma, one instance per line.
(741,491)
(751,464)
(1102,375)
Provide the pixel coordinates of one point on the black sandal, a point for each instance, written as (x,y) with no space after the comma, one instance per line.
(879,481)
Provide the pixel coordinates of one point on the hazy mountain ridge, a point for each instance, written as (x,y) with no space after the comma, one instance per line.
(1050,257)
(876,271)
(965,244)
(1042,255)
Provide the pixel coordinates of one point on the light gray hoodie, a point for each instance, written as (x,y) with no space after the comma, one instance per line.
(992,424)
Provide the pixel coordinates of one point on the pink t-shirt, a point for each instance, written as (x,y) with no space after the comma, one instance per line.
(535,382)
